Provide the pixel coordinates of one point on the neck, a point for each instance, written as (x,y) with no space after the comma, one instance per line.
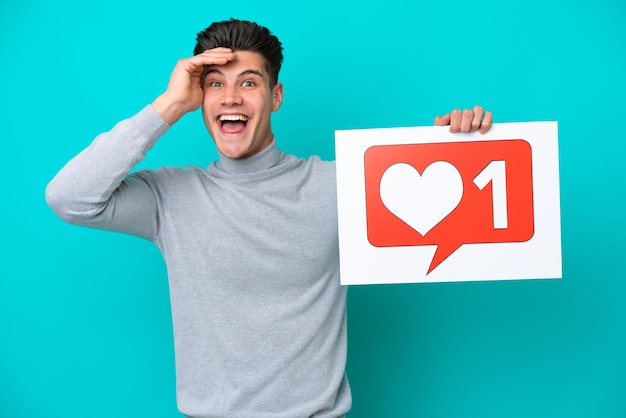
(262,160)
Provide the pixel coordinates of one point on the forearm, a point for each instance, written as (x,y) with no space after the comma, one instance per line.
(82,191)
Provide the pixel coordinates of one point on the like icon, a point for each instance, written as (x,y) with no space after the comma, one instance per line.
(449,194)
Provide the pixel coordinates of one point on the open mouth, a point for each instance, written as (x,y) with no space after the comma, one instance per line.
(232,123)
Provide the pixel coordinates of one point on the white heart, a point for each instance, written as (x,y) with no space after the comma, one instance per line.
(421,201)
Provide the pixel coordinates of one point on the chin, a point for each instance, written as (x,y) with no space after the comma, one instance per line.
(233,152)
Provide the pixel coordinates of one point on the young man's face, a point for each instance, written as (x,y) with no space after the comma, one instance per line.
(238,102)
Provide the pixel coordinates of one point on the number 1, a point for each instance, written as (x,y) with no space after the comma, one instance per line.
(495,172)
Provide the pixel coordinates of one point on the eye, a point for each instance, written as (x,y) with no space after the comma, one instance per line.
(248,83)
(213,83)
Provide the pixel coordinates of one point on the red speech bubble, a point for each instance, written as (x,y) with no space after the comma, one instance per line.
(449,194)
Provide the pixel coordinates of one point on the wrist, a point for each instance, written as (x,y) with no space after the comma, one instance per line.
(170,110)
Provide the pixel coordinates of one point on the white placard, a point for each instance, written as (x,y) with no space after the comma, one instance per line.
(422,204)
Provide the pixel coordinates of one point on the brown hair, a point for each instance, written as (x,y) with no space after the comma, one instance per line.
(241,35)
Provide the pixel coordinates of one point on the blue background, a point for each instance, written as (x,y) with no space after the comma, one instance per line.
(86,328)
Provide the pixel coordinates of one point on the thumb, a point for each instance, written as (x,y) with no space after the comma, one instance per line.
(442,120)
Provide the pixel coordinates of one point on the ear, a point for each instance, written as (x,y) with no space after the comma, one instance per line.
(277,96)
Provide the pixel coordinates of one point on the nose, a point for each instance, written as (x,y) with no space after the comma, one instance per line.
(232,95)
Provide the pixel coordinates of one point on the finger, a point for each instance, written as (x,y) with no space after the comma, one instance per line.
(199,64)
(466,120)
(486,123)
(218,56)
(478,116)
(442,120)
(215,52)
(218,49)
(455,120)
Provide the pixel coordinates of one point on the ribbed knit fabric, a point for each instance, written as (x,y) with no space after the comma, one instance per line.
(253,265)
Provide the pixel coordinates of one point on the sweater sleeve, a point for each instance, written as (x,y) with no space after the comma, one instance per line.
(94,188)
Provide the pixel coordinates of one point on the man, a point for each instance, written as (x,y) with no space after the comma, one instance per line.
(250,242)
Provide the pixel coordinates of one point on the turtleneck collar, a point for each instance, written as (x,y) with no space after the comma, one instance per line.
(262,160)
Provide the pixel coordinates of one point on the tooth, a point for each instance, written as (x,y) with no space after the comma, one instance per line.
(233,118)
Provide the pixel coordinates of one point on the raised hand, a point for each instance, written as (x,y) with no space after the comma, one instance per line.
(184,91)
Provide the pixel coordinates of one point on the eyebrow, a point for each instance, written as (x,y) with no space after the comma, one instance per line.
(243,73)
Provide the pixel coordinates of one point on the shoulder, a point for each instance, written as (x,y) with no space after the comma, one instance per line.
(315,162)
(165,175)
(326,169)
(316,173)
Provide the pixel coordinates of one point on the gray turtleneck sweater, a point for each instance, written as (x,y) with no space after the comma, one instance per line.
(253,265)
